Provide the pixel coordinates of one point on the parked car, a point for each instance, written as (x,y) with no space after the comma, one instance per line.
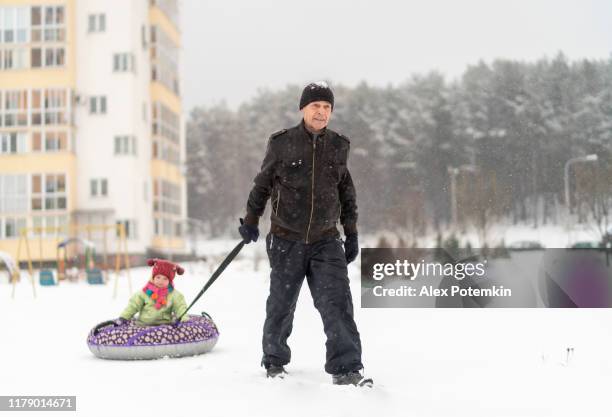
(585,244)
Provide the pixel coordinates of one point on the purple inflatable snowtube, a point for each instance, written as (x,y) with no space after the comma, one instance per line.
(132,341)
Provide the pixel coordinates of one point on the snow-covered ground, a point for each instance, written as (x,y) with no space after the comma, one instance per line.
(425,362)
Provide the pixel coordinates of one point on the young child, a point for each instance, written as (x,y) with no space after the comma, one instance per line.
(158,302)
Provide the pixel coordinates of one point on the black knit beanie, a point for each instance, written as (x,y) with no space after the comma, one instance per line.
(318,91)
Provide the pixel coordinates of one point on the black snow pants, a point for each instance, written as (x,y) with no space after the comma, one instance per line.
(324,265)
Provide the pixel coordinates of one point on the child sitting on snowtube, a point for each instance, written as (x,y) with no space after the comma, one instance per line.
(158,302)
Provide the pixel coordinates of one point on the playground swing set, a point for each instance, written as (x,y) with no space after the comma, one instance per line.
(10,265)
(72,252)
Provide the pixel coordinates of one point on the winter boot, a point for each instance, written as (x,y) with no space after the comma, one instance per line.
(352,378)
(275,371)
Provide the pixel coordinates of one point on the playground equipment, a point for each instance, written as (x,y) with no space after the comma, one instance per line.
(10,265)
(45,276)
(72,273)
(67,255)
(95,276)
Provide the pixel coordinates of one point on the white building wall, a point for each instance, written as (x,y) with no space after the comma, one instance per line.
(128,114)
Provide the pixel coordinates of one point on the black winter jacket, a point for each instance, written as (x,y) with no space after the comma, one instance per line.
(310,185)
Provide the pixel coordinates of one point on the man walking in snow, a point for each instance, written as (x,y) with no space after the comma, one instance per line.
(305,174)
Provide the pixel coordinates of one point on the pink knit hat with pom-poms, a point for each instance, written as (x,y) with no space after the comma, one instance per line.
(165,268)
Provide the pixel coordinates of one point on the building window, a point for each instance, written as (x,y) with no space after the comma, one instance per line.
(166,123)
(36,24)
(55,141)
(91,22)
(15,108)
(47,57)
(52,225)
(36,58)
(167,208)
(37,109)
(93,188)
(97,105)
(47,24)
(166,197)
(13,193)
(125,145)
(37,142)
(13,59)
(12,226)
(49,107)
(164,60)
(96,23)
(48,192)
(130,227)
(98,187)
(32,37)
(54,57)
(34,108)
(55,107)
(166,134)
(14,24)
(52,26)
(13,142)
(37,192)
(123,62)
(166,151)
(55,192)
(167,227)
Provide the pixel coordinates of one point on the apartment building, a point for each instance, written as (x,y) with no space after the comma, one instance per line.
(91,130)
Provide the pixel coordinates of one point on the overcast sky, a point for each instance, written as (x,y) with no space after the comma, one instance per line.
(233,47)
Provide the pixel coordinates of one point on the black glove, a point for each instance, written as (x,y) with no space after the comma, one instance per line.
(249,232)
(351,247)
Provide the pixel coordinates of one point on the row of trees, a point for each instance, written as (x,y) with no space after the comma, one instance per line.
(504,130)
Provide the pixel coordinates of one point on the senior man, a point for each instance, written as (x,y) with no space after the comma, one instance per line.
(305,174)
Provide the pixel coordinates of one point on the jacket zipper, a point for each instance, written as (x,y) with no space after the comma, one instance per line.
(314,146)
(277,202)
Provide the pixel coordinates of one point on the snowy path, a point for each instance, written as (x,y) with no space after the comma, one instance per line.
(424,362)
